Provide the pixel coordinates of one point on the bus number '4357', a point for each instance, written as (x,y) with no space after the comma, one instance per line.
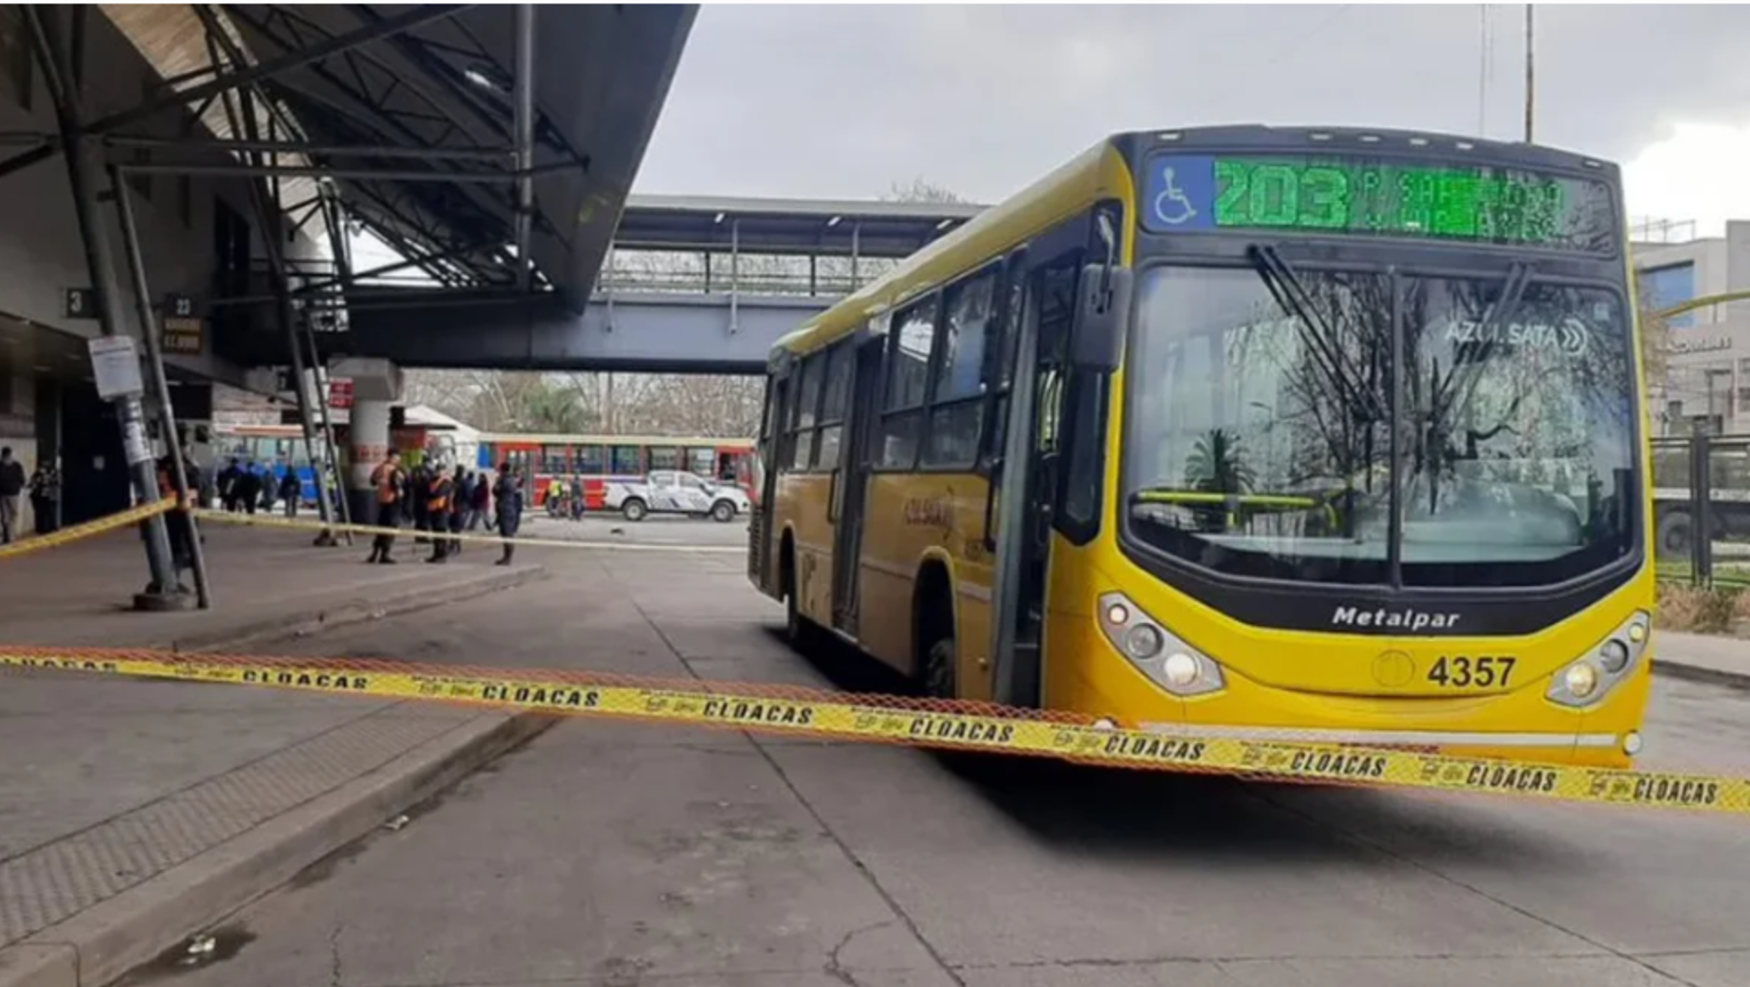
(1464,671)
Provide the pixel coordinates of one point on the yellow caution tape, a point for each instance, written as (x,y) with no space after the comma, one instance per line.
(269,521)
(722,705)
(86,529)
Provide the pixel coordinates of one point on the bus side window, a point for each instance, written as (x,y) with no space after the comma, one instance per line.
(626,461)
(999,359)
(700,460)
(806,412)
(909,343)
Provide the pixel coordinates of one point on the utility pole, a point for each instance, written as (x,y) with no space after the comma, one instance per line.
(1529,87)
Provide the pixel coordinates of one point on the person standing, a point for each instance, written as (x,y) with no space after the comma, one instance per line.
(291,491)
(464,495)
(440,490)
(270,489)
(420,482)
(45,498)
(228,478)
(460,500)
(390,485)
(507,496)
(481,503)
(177,525)
(248,489)
(11,485)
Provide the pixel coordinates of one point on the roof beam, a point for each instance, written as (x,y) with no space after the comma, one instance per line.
(294,59)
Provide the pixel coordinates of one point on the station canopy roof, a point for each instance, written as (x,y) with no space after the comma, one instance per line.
(430,92)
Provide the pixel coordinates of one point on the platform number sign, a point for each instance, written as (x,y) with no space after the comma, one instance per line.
(81,303)
(182,328)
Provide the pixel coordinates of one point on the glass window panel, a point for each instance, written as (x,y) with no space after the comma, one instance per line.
(899,440)
(952,438)
(963,338)
(914,333)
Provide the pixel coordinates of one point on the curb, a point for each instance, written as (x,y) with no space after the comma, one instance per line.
(106,941)
(356,611)
(1701,673)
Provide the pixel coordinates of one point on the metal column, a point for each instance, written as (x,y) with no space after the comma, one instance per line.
(525,140)
(331,456)
(268,215)
(734,276)
(83,154)
(155,359)
(856,247)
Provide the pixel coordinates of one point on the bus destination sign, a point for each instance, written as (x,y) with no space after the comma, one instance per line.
(1348,196)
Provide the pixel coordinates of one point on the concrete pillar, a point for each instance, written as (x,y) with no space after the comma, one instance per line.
(370,446)
(376,386)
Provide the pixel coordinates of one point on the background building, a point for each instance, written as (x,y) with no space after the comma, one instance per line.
(1707,374)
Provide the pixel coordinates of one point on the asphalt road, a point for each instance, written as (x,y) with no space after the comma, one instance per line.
(616,854)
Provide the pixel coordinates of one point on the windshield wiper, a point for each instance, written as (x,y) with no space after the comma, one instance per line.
(1454,399)
(1291,294)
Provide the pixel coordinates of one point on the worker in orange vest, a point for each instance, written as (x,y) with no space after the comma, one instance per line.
(437,509)
(390,485)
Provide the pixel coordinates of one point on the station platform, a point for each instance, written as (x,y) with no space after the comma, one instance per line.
(125,805)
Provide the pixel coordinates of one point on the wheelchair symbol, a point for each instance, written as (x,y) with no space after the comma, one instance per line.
(1171,206)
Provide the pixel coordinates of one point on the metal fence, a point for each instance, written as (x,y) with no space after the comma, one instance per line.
(1701,509)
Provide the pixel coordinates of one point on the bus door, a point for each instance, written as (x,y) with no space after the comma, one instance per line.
(1053,441)
(851,478)
(771,442)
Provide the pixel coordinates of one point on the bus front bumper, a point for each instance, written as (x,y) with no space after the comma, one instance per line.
(1521,725)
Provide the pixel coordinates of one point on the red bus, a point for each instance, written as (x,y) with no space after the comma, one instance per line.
(599,459)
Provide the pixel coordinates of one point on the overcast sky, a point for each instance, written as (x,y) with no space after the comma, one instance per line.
(821,101)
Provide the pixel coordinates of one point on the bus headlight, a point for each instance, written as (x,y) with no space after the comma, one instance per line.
(1580,680)
(1590,678)
(1157,652)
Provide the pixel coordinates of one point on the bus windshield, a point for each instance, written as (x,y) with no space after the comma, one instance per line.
(1260,426)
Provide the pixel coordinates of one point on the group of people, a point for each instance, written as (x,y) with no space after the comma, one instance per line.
(243,488)
(44,487)
(443,502)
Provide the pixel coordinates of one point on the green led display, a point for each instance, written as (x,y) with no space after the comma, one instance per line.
(1405,200)
(1345,195)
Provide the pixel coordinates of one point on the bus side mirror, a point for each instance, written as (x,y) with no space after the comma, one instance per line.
(1103,302)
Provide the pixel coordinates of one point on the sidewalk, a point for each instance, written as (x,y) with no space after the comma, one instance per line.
(1702,657)
(134,813)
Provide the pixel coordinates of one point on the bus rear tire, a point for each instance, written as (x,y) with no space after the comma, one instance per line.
(723,512)
(634,509)
(937,655)
(798,629)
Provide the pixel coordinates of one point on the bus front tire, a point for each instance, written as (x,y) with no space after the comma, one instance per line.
(634,509)
(723,512)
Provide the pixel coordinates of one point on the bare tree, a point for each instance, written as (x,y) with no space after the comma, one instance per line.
(920,189)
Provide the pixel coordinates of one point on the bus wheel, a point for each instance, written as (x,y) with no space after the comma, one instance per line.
(939,669)
(723,511)
(798,630)
(634,509)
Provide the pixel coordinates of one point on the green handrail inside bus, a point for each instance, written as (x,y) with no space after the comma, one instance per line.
(1288,502)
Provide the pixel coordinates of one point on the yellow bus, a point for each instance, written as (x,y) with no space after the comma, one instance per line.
(1327,435)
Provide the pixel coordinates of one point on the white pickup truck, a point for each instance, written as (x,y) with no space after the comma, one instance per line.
(676,492)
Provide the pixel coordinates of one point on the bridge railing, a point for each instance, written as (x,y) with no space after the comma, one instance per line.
(784,284)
